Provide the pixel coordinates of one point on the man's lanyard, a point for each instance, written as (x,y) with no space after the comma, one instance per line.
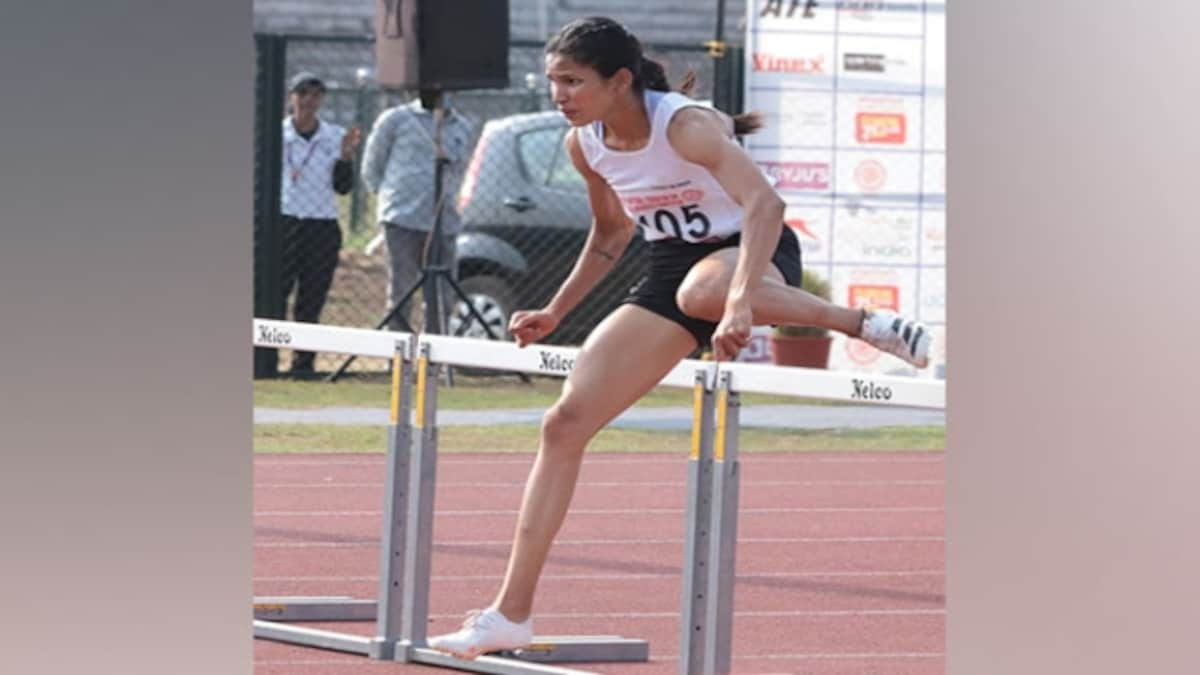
(298,170)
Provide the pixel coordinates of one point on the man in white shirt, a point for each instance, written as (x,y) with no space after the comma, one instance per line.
(317,165)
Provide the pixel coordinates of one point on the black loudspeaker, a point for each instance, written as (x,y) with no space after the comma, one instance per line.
(442,44)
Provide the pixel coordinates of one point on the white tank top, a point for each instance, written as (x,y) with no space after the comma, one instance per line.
(666,195)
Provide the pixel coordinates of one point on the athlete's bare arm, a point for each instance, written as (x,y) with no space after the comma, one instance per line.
(699,136)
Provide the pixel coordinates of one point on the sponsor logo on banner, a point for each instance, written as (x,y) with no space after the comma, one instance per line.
(869,63)
(869,295)
(803,65)
(799,121)
(862,9)
(881,128)
(798,175)
(892,251)
(801,226)
(775,8)
(273,336)
(555,363)
(870,175)
(878,296)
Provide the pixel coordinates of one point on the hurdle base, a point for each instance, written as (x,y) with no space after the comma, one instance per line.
(311,637)
(581,649)
(599,649)
(271,613)
(314,609)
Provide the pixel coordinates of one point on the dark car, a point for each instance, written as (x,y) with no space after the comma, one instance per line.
(525,219)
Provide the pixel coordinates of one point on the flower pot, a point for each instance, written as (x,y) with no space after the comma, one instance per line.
(802,351)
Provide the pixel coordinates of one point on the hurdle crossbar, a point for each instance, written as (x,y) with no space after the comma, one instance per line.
(401,613)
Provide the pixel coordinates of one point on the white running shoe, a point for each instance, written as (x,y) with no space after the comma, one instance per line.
(891,333)
(484,631)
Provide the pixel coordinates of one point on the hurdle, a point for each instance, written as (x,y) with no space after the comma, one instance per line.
(401,612)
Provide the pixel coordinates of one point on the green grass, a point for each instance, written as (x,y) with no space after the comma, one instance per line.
(469,393)
(316,438)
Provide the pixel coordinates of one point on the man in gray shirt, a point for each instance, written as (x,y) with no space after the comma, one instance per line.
(398,164)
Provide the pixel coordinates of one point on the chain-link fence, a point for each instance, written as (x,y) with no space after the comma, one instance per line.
(341,228)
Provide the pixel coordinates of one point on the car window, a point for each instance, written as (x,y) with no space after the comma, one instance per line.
(563,174)
(537,148)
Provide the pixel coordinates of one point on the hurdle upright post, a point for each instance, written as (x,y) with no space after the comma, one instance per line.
(723,542)
(423,473)
(389,620)
(694,631)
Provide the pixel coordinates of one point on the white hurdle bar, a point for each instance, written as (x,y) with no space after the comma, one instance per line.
(706,626)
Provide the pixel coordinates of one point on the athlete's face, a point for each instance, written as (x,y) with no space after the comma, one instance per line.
(579,92)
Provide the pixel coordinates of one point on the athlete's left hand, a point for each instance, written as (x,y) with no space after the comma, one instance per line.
(733,332)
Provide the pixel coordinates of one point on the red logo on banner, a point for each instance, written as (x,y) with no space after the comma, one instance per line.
(869,295)
(789,64)
(884,128)
(801,225)
(870,175)
(798,175)
(692,195)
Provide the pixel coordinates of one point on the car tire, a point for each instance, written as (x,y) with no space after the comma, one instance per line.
(493,299)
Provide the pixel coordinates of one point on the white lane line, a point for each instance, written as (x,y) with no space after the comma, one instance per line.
(802,656)
(616,577)
(748,613)
(610,542)
(473,513)
(750,458)
(620,484)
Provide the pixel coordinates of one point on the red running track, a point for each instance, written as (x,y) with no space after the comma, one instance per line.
(840,563)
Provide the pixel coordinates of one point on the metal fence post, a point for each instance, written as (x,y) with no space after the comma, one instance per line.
(271,51)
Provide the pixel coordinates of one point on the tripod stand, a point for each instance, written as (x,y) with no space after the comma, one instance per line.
(435,270)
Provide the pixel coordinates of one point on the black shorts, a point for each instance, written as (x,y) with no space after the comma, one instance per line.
(671,260)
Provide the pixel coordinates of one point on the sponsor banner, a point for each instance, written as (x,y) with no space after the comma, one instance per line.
(794,172)
(937,353)
(935,51)
(933,175)
(879,64)
(811,225)
(853,92)
(931,303)
(881,287)
(933,237)
(782,60)
(893,176)
(758,349)
(889,122)
(791,118)
(794,15)
(935,123)
(875,236)
(892,17)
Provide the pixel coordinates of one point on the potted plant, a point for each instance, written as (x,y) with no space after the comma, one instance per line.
(804,346)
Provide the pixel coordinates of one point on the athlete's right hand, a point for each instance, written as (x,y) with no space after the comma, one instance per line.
(527,326)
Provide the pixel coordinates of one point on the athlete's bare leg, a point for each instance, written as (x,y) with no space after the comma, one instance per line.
(623,358)
(702,295)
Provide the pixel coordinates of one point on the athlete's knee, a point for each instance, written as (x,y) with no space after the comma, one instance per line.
(701,298)
(565,429)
